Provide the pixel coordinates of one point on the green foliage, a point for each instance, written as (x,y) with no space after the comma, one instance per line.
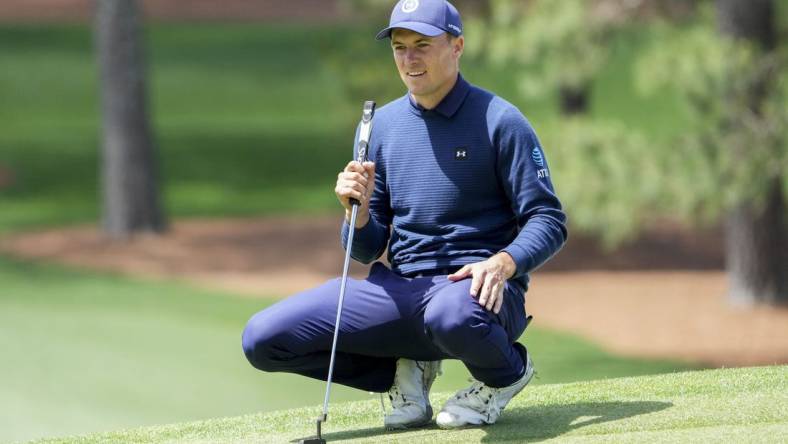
(600,167)
(605,177)
(237,106)
(615,181)
(735,98)
(364,68)
(562,43)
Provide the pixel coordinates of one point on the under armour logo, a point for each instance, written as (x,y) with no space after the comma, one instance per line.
(461,154)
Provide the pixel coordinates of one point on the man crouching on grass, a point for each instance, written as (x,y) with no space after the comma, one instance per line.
(459,189)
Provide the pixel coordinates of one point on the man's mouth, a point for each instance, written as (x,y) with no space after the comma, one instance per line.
(416,73)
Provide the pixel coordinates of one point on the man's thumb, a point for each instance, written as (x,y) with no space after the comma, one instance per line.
(462,273)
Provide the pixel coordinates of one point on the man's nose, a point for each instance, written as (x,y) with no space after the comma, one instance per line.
(410,54)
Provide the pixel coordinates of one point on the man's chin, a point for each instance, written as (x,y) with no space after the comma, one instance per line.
(414,83)
(416,90)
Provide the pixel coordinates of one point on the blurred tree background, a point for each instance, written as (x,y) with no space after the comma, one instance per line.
(724,163)
(652,112)
(728,164)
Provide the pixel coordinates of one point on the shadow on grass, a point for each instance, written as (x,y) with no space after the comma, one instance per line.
(528,424)
(545,422)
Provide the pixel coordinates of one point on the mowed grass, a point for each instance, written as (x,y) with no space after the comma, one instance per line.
(249,118)
(83,352)
(730,405)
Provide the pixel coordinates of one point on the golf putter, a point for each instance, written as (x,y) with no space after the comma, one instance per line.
(362,144)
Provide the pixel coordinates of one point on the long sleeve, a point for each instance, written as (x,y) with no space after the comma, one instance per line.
(525,178)
(370,241)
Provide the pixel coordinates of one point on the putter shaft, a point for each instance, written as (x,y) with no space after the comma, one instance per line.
(361,146)
(345,268)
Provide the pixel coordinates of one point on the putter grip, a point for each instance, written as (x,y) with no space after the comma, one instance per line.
(362,154)
(362,157)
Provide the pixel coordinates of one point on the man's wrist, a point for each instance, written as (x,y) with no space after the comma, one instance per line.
(361,219)
(508,264)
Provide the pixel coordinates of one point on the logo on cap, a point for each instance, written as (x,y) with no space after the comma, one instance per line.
(410,5)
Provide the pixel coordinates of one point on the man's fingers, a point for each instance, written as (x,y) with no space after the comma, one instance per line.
(358,177)
(460,274)
(352,189)
(349,176)
(350,193)
(347,190)
(355,182)
(476,283)
(354,167)
(486,298)
(495,295)
(487,285)
(370,187)
(369,169)
(498,299)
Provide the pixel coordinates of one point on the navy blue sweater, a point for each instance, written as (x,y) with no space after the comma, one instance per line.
(457,184)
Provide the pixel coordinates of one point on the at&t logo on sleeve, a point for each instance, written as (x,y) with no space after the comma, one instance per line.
(538,159)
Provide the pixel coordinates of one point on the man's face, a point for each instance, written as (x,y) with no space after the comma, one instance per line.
(427,65)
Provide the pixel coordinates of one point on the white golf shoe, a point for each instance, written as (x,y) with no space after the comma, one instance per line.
(409,395)
(480,403)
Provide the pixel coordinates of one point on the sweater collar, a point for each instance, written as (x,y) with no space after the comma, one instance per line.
(450,104)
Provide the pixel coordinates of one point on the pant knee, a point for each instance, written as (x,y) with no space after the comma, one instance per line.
(261,344)
(455,325)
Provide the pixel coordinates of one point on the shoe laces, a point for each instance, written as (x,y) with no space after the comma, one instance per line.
(395,393)
(480,397)
(396,397)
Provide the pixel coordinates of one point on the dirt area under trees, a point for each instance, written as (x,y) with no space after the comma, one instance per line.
(661,296)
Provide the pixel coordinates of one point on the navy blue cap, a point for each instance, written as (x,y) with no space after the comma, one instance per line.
(428,17)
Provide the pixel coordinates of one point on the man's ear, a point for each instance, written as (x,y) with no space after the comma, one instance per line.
(458,46)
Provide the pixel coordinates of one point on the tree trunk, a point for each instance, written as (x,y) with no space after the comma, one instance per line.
(574,101)
(757,251)
(129,173)
(748,19)
(756,237)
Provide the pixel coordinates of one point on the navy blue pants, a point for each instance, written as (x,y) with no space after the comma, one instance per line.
(386,317)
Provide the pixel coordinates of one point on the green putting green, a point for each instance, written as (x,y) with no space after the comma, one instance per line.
(84,352)
(731,405)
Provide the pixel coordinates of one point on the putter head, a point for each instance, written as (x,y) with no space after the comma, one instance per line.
(318,439)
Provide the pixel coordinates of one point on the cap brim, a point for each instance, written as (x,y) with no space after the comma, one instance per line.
(421,28)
